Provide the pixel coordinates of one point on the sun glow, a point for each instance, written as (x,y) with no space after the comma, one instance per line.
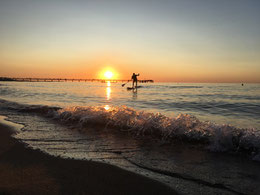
(108,74)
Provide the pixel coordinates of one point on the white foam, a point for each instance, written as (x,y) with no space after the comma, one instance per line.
(220,138)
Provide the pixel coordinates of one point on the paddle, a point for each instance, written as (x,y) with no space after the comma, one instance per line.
(125,84)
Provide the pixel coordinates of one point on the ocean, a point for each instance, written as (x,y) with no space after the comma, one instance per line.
(160,130)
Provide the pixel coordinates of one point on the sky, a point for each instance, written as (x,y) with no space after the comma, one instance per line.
(164,40)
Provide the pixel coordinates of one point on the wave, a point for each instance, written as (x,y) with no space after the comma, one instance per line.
(42,109)
(221,107)
(185,87)
(184,127)
(174,87)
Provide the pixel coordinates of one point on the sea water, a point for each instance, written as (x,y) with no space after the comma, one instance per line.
(232,104)
(141,129)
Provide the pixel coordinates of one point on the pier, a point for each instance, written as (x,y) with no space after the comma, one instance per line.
(68,80)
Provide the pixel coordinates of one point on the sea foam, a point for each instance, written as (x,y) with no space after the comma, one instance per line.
(218,138)
(184,127)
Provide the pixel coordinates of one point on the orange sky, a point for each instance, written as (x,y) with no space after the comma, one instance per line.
(170,42)
(186,70)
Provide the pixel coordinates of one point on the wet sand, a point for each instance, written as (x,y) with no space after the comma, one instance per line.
(27,171)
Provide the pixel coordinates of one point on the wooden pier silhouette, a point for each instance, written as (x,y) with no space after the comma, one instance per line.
(18,79)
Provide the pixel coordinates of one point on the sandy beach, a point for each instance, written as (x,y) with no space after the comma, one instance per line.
(27,171)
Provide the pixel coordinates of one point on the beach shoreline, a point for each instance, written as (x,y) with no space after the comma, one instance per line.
(27,171)
(186,167)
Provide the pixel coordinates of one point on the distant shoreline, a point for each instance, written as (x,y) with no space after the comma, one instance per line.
(70,80)
(20,79)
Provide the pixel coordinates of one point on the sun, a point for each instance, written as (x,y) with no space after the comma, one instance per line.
(108,74)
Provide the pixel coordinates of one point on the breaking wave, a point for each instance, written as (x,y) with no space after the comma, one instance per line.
(216,137)
(220,138)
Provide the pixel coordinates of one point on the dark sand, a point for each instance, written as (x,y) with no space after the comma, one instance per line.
(27,171)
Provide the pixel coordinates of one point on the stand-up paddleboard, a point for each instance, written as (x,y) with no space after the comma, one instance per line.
(132,88)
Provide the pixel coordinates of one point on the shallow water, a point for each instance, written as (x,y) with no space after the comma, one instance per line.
(89,121)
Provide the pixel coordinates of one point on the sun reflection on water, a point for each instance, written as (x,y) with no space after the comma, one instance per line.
(108,94)
(107,107)
(108,90)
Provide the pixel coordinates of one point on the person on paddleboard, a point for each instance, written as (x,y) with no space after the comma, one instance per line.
(134,78)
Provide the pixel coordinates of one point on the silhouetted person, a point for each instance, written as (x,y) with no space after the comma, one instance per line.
(134,78)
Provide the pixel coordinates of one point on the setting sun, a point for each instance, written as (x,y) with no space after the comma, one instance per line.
(108,74)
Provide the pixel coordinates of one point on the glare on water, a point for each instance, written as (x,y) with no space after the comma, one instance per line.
(221,103)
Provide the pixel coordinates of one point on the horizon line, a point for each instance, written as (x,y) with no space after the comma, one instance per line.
(96,79)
